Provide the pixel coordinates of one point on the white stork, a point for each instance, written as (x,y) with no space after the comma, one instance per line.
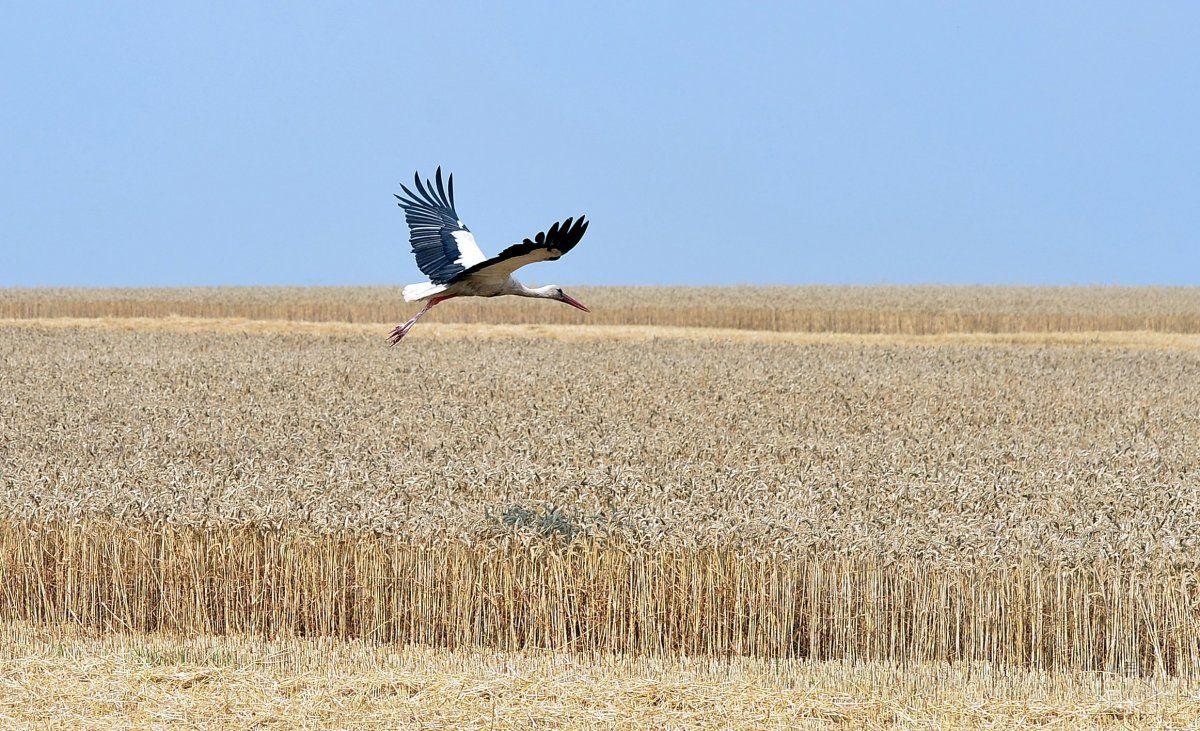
(447,254)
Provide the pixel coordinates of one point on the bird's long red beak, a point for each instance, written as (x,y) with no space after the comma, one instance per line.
(574,302)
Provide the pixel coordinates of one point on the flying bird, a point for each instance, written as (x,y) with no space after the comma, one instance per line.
(447,253)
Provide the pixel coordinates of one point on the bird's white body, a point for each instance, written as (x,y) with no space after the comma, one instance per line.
(446,251)
(474,286)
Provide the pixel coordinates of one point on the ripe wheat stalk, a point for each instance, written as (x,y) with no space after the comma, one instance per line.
(582,597)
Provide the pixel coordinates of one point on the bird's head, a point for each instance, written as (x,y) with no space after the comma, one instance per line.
(555,292)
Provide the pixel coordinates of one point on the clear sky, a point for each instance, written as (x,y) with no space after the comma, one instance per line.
(172,143)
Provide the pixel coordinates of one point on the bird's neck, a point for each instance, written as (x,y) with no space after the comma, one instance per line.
(522,291)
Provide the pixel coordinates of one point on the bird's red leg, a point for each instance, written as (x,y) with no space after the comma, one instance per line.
(401,330)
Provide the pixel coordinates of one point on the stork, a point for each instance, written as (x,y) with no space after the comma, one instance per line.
(447,253)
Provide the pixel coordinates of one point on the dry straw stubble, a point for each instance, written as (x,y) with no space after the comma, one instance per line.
(64,678)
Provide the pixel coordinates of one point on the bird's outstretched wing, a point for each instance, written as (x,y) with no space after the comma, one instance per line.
(546,246)
(442,243)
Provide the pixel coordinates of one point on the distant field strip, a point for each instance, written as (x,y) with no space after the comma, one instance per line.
(921,310)
(567,333)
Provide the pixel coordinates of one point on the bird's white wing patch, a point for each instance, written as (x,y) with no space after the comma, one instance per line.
(469,253)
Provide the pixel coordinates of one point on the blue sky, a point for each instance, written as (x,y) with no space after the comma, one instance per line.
(171,144)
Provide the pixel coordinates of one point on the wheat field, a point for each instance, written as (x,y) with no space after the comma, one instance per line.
(1004,489)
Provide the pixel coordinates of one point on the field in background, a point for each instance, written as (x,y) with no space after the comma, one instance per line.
(880,309)
(786,501)
(1130,339)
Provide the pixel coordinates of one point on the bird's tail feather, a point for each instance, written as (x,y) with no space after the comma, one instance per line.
(417,292)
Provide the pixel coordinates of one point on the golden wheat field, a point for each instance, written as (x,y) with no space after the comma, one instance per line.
(808,502)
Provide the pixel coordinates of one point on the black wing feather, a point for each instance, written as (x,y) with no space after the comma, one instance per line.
(432,222)
(561,238)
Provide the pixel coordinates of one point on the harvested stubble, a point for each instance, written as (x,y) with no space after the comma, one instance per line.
(1018,504)
(878,309)
(60,677)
